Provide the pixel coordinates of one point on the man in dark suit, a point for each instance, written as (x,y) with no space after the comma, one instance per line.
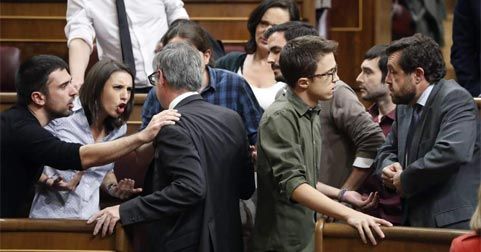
(202,167)
(432,155)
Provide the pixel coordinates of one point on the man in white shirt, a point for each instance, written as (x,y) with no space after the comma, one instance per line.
(148,20)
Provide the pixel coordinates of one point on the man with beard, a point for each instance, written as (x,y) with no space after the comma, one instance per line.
(45,92)
(383,111)
(432,155)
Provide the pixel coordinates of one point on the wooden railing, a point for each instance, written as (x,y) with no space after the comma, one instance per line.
(341,237)
(58,235)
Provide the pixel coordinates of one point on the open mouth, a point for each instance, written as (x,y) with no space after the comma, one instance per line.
(121,108)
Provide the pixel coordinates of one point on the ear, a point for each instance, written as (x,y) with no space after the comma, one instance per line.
(419,75)
(206,56)
(161,81)
(303,83)
(38,98)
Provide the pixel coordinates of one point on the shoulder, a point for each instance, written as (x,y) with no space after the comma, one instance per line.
(279,111)
(230,61)
(466,242)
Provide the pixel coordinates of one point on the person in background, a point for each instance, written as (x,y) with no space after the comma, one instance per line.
(466,48)
(99,115)
(218,87)
(89,21)
(373,88)
(471,241)
(252,64)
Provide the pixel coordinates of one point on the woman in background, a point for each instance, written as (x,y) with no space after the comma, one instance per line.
(252,64)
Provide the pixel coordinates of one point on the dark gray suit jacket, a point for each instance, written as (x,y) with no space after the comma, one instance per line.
(442,175)
(202,169)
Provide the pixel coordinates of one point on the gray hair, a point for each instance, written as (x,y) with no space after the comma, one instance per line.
(181,66)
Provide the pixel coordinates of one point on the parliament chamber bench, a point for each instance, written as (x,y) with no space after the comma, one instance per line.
(343,238)
(58,235)
(76,235)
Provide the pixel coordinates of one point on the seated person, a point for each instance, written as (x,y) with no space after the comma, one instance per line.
(99,115)
(253,65)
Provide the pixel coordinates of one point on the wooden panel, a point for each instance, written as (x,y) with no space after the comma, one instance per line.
(31,28)
(341,237)
(50,235)
(353,26)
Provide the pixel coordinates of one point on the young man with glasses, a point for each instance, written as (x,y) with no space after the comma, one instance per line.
(289,148)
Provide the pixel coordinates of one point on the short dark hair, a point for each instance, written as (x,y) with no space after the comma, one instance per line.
(378,51)
(91,92)
(32,76)
(292,30)
(299,57)
(419,51)
(256,16)
(192,32)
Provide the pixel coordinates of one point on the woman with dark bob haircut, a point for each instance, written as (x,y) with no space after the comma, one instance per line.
(99,115)
(253,65)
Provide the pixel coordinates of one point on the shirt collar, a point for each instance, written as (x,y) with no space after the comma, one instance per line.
(374,111)
(300,107)
(179,98)
(425,95)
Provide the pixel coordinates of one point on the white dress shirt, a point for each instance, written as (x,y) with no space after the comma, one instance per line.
(148,22)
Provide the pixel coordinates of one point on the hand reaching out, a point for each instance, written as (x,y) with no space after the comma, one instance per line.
(124,189)
(363,202)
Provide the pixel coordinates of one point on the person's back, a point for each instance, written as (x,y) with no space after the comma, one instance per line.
(220,140)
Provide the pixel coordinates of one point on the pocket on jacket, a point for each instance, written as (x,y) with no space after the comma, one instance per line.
(454,216)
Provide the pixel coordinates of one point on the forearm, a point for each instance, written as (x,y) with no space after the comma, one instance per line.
(356,178)
(79,56)
(327,190)
(307,196)
(107,152)
(144,155)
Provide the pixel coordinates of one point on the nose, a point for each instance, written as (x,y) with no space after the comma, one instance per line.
(335,78)
(270,58)
(388,79)
(73,90)
(359,79)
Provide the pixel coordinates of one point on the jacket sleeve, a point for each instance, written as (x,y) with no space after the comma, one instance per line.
(453,146)
(350,117)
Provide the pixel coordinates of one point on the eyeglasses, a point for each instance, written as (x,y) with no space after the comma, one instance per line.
(153,78)
(331,73)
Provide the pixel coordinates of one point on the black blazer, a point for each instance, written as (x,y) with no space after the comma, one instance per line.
(202,169)
(442,175)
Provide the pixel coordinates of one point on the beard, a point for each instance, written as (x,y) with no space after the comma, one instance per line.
(277,73)
(405,97)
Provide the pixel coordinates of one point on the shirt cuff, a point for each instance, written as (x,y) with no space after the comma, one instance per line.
(292,184)
(364,163)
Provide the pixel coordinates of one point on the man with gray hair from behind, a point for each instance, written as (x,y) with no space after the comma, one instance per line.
(201,166)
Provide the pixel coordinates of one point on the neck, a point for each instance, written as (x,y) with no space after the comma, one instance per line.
(98,130)
(40,114)
(385,105)
(260,54)
(305,97)
(420,88)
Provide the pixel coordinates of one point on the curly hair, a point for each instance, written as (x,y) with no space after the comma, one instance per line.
(419,51)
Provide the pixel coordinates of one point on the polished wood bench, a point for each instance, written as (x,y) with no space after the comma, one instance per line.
(58,235)
(342,237)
